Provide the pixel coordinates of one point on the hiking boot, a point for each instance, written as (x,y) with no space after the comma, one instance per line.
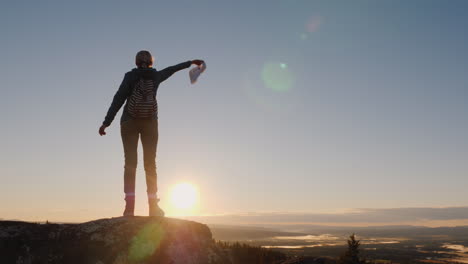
(154,209)
(129,207)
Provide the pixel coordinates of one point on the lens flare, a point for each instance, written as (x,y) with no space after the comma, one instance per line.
(264,97)
(313,24)
(277,77)
(145,242)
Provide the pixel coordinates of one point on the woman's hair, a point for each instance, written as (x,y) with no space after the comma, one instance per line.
(144,59)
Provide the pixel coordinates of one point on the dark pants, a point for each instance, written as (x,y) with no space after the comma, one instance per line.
(131,130)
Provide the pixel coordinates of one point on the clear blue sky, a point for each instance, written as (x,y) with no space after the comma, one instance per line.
(374,113)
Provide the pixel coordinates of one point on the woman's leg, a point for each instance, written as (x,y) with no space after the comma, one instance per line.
(149,140)
(130,134)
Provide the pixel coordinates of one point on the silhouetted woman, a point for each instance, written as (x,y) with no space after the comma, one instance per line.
(140,120)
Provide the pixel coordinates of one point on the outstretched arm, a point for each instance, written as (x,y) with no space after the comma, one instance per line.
(119,99)
(167,72)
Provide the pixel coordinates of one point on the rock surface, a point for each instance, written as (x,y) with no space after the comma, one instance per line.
(115,240)
(309,260)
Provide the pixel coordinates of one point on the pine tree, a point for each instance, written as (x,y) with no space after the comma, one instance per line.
(351,256)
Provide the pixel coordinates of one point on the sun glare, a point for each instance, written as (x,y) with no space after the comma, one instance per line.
(184,197)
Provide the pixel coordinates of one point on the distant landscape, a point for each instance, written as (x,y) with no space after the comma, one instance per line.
(385,244)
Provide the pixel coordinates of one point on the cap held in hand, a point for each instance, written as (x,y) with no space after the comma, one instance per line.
(195,72)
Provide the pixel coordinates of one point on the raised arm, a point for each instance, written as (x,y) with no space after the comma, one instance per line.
(167,72)
(119,99)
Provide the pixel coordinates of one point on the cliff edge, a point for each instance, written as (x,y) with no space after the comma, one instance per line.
(118,240)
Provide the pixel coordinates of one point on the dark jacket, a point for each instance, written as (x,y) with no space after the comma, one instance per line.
(130,78)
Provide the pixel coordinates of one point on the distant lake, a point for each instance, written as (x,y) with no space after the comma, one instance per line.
(310,241)
(460,251)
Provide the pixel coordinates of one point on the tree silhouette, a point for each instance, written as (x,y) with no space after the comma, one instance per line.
(351,256)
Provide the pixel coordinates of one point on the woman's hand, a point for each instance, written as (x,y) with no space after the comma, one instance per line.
(102,129)
(198,62)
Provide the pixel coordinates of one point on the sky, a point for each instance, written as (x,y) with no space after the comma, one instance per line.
(306,107)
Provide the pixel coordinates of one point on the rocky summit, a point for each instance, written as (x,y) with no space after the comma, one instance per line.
(116,241)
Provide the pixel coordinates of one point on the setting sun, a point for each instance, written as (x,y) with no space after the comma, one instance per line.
(184,197)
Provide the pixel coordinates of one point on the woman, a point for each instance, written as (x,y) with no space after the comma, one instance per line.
(140,119)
